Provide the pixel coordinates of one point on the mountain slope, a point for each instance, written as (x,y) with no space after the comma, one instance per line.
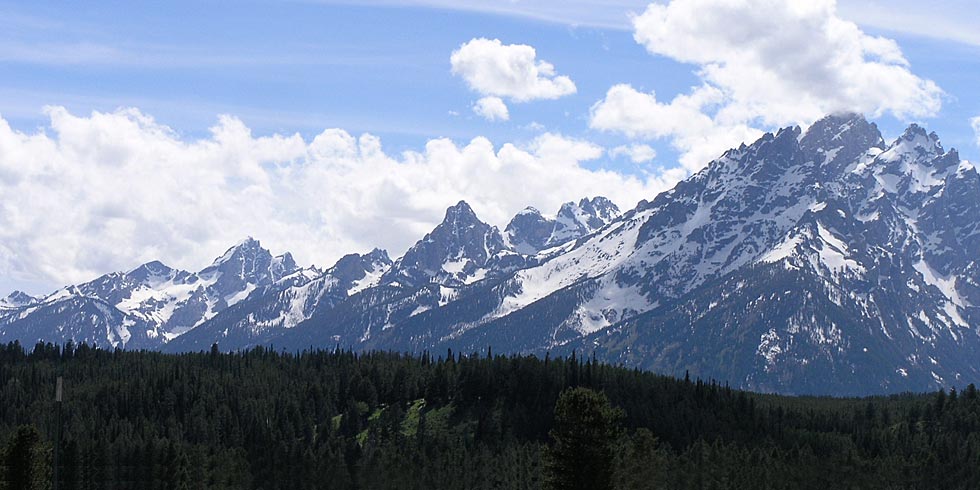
(800,263)
(290,301)
(816,261)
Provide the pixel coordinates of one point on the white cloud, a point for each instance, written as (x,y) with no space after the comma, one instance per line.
(492,109)
(975,122)
(508,70)
(786,62)
(106,192)
(694,133)
(762,63)
(637,153)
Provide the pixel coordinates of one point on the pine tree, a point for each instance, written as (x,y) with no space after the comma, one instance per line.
(585,430)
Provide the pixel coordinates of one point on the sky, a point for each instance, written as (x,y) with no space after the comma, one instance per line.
(138,131)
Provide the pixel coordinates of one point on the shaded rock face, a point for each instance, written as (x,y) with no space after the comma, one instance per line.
(454,253)
(577,220)
(261,318)
(530,232)
(247,264)
(17,299)
(823,261)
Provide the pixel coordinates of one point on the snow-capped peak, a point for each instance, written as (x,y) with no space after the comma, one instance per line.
(461,213)
(457,251)
(151,271)
(245,247)
(917,142)
(17,299)
(530,232)
(169,302)
(352,269)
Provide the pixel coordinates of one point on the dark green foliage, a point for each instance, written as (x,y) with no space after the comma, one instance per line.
(584,434)
(24,462)
(269,420)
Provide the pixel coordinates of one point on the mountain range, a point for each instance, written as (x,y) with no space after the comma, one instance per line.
(824,261)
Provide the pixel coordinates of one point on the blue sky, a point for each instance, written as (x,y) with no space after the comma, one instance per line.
(380,67)
(285,67)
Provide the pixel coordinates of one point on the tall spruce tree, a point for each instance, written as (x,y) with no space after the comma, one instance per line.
(584,433)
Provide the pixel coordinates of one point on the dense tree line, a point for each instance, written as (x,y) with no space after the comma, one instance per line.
(335,419)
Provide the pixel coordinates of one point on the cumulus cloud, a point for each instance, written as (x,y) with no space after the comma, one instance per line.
(695,134)
(492,109)
(637,153)
(106,192)
(492,68)
(787,61)
(762,63)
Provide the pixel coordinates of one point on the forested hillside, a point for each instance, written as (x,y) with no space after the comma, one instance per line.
(331,419)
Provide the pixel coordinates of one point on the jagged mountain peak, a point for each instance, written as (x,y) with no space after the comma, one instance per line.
(378,255)
(151,270)
(529,231)
(455,252)
(917,138)
(915,131)
(912,167)
(283,264)
(827,151)
(354,267)
(597,211)
(246,247)
(841,137)
(154,266)
(248,262)
(459,219)
(18,299)
(575,220)
(160,301)
(461,212)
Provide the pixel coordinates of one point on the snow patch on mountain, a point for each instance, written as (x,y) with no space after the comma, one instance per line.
(611,303)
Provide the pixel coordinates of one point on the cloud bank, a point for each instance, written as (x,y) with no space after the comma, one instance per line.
(762,63)
(106,192)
